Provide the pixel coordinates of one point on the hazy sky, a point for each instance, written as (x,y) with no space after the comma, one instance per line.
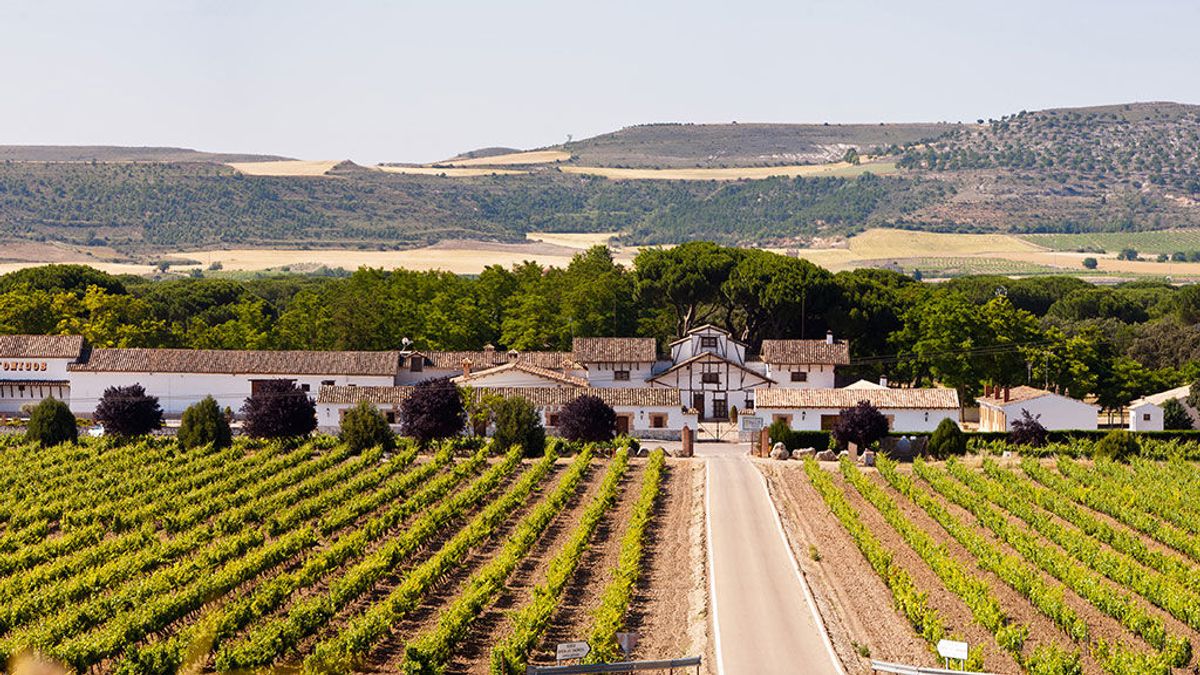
(420,81)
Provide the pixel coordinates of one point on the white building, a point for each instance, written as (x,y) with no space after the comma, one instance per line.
(641,411)
(417,366)
(907,410)
(804,363)
(34,367)
(1001,405)
(1146,413)
(181,377)
(615,362)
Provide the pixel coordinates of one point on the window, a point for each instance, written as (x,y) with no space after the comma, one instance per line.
(1145,417)
(621,375)
(799,376)
(391,416)
(710,378)
(416,364)
(708,342)
(658,421)
(304,387)
(327,383)
(553,420)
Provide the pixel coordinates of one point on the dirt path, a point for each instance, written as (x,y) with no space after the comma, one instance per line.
(764,617)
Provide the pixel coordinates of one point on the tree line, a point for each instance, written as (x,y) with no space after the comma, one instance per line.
(1112,342)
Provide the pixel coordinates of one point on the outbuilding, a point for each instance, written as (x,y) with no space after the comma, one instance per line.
(1146,413)
(907,410)
(999,407)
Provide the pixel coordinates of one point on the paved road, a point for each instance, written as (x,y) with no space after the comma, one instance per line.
(763,618)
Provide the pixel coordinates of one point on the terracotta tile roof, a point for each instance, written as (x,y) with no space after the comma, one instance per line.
(539,396)
(614,350)
(840,399)
(799,352)
(1015,395)
(489,358)
(238,361)
(41,346)
(536,371)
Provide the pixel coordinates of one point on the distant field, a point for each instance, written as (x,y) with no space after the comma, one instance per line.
(449,172)
(573,239)
(954,266)
(882,243)
(735,173)
(1163,241)
(293,167)
(516,158)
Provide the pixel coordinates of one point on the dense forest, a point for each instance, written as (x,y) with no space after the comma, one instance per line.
(1114,342)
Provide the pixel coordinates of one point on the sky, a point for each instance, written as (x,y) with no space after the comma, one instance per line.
(422,81)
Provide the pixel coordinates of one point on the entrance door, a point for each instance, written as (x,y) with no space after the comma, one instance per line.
(622,425)
(698,403)
(720,409)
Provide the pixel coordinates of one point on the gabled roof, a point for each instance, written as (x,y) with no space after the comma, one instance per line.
(231,361)
(1020,395)
(539,396)
(864,384)
(614,350)
(521,366)
(708,326)
(840,399)
(489,357)
(1163,396)
(709,356)
(800,352)
(41,346)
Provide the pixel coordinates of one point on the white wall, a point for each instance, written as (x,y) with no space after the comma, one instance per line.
(820,376)
(903,419)
(177,391)
(1138,417)
(34,369)
(601,374)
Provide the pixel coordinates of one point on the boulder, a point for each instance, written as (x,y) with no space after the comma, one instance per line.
(803,453)
(842,454)
(779,451)
(869,458)
(826,456)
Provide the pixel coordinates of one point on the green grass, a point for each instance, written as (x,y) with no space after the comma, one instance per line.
(1163,241)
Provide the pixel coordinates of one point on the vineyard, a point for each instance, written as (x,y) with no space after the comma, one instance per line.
(1041,565)
(148,558)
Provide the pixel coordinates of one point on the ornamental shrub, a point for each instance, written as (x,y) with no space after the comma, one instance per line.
(364,427)
(587,418)
(1175,416)
(862,425)
(1027,430)
(1118,445)
(278,409)
(128,411)
(518,422)
(51,423)
(434,411)
(204,423)
(947,440)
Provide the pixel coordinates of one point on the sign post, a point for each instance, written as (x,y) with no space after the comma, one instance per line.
(951,649)
(571,650)
(627,641)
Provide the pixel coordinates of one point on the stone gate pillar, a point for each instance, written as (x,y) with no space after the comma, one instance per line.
(686,442)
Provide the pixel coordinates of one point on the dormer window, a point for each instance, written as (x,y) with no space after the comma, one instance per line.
(708,342)
(416,364)
(621,375)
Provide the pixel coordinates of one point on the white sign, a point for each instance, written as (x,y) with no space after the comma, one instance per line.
(572,650)
(949,649)
(627,641)
(751,423)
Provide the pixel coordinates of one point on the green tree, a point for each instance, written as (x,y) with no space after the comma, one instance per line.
(51,423)
(518,422)
(203,423)
(1118,445)
(686,279)
(1175,416)
(1090,263)
(364,427)
(948,440)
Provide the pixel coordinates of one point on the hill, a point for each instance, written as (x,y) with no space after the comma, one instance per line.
(726,145)
(116,153)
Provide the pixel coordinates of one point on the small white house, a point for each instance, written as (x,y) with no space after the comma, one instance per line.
(1000,406)
(34,367)
(804,363)
(1146,413)
(616,362)
(907,410)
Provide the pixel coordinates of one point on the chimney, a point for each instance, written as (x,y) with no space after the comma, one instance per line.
(828,337)
(1006,393)
(466,366)
(513,354)
(987,390)
(883,380)
(489,348)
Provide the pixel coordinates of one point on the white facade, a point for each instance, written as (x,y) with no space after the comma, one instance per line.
(1145,416)
(805,376)
(907,410)
(902,420)
(1057,412)
(34,367)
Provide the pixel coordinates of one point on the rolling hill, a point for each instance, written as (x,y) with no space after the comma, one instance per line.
(1120,168)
